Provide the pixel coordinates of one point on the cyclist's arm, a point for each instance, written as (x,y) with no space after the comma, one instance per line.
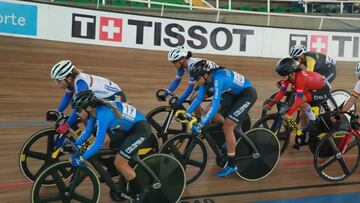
(299,88)
(80,86)
(199,98)
(65,101)
(218,86)
(176,82)
(88,131)
(298,100)
(187,91)
(103,123)
(310,63)
(280,94)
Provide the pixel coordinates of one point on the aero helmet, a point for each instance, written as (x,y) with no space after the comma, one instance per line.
(286,66)
(62,69)
(177,53)
(297,50)
(357,70)
(83,99)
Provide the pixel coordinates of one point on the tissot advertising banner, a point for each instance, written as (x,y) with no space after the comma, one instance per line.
(155,33)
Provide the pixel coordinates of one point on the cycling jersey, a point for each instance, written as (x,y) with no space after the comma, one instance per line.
(304,83)
(105,119)
(102,88)
(180,74)
(223,80)
(320,63)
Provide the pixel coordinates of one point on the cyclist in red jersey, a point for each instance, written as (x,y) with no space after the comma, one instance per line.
(304,83)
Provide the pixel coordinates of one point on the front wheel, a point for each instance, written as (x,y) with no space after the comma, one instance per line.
(191,152)
(337,166)
(171,175)
(283,133)
(252,166)
(35,154)
(83,186)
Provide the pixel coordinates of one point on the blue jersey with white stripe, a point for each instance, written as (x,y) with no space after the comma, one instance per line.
(106,119)
(222,80)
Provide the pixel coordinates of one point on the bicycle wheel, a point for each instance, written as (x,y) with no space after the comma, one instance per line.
(340,96)
(338,166)
(191,153)
(283,134)
(159,119)
(256,168)
(83,186)
(171,175)
(35,154)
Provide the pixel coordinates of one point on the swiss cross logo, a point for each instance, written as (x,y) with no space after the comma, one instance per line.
(319,43)
(111,29)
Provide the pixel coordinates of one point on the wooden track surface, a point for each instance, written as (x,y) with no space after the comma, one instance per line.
(27,92)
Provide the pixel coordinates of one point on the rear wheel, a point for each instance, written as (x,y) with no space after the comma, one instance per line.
(171,175)
(253,166)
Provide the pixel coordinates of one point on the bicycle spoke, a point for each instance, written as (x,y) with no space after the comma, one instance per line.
(80,198)
(189,148)
(344,166)
(37,155)
(194,163)
(50,144)
(50,198)
(79,177)
(173,149)
(327,162)
(154,124)
(59,182)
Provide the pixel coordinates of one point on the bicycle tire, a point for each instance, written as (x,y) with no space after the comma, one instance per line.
(31,170)
(157,126)
(283,134)
(179,147)
(326,167)
(171,175)
(268,145)
(63,192)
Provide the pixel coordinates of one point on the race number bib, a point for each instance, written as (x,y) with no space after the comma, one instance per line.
(129,111)
(239,79)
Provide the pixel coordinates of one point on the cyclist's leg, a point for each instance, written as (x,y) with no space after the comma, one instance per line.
(138,133)
(245,100)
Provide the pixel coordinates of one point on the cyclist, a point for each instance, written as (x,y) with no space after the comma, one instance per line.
(127,129)
(73,80)
(355,94)
(304,83)
(182,61)
(314,61)
(234,95)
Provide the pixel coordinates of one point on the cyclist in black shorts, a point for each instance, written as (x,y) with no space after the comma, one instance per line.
(314,61)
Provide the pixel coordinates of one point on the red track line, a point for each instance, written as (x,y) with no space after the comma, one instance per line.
(14,185)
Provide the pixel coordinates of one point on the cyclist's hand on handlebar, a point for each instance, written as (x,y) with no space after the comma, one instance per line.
(62,129)
(182,116)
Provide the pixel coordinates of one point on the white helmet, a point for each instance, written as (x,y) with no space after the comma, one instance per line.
(297,50)
(177,53)
(357,70)
(62,69)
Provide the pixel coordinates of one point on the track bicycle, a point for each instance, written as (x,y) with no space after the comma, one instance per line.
(343,146)
(162,176)
(46,147)
(257,151)
(162,119)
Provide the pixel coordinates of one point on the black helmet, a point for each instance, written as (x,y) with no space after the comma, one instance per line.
(83,99)
(286,66)
(201,67)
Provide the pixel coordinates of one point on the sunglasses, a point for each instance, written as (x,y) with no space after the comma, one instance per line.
(79,111)
(175,62)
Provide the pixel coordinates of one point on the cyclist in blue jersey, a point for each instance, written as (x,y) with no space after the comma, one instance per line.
(182,61)
(127,129)
(72,80)
(234,95)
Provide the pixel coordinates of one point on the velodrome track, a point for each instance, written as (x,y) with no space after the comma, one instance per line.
(27,92)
